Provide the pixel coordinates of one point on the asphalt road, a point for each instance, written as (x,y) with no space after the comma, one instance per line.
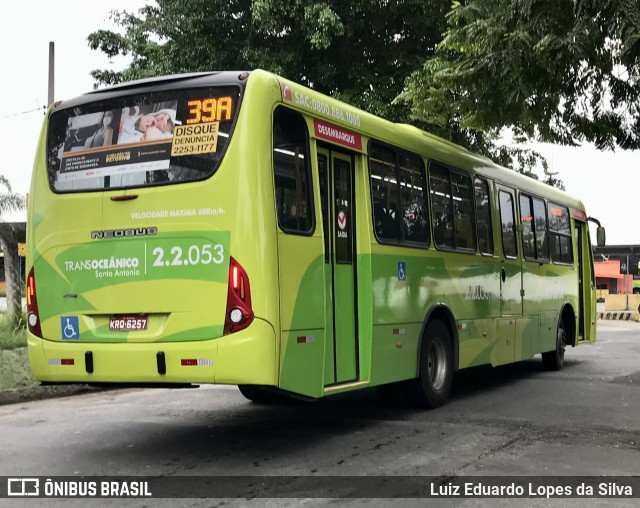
(513,420)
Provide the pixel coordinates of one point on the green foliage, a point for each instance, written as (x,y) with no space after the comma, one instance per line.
(360,52)
(13,335)
(564,71)
(9,200)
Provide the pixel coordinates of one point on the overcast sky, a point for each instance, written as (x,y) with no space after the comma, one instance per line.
(29,26)
(608,183)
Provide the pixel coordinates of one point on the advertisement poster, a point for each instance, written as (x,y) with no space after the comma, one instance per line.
(128,140)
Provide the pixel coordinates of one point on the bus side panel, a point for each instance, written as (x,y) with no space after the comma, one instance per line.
(365,309)
(468,285)
(246,357)
(503,351)
(478,340)
(399,303)
(302,314)
(548,328)
(526,337)
(561,287)
(395,352)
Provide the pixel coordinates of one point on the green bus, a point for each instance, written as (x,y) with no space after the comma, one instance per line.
(239,228)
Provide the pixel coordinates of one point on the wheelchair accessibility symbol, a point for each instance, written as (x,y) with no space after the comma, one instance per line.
(70,328)
(402,270)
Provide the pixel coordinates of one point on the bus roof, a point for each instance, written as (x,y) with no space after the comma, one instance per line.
(403,135)
(429,145)
(189,80)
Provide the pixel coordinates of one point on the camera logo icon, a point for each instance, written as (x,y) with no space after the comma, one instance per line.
(23,487)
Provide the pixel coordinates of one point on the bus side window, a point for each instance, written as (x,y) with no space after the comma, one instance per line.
(463,213)
(483,214)
(441,207)
(508,219)
(384,193)
(292,172)
(533,218)
(560,234)
(397,180)
(540,227)
(452,209)
(415,221)
(528,236)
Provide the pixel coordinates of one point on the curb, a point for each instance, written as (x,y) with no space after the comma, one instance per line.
(41,392)
(623,315)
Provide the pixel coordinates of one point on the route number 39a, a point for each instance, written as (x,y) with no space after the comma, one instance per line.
(192,255)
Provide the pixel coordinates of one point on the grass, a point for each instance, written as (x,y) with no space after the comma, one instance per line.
(11,336)
(14,362)
(3,292)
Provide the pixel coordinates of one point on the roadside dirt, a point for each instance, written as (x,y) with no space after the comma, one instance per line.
(16,384)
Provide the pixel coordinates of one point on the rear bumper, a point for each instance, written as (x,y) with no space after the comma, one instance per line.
(245,357)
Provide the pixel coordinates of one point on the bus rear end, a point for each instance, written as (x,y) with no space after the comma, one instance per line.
(137,204)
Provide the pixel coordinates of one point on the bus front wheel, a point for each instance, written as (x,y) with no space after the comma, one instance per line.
(432,387)
(554,360)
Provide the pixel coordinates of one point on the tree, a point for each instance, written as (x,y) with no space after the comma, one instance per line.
(360,51)
(563,71)
(10,202)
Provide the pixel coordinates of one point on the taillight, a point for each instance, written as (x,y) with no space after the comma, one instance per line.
(33,318)
(239,314)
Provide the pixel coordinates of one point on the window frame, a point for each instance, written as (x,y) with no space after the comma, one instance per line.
(103,101)
(512,193)
(400,242)
(308,172)
(460,172)
(486,181)
(560,235)
(531,199)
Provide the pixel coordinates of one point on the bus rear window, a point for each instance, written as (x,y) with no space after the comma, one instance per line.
(140,140)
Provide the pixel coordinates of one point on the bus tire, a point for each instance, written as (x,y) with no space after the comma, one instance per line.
(432,387)
(258,394)
(554,360)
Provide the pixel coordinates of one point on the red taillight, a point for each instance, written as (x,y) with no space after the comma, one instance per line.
(238,314)
(33,318)
(235,282)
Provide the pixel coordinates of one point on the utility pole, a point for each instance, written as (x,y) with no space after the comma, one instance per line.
(50,96)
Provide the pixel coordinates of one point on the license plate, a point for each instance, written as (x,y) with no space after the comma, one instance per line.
(135,323)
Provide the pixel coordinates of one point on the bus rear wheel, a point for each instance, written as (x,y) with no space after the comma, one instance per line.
(259,395)
(554,360)
(432,387)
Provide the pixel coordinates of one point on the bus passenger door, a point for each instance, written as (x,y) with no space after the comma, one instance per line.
(300,258)
(586,284)
(336,175)
(510,280)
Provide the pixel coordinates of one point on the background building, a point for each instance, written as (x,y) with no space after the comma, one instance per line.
(616,268)
(20,230)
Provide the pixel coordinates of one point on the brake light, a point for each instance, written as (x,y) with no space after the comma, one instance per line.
(239,313)
(33,318)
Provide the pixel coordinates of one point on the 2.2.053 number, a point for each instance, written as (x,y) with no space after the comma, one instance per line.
(195,255)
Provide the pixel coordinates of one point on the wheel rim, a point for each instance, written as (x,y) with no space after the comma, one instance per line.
(437,365)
